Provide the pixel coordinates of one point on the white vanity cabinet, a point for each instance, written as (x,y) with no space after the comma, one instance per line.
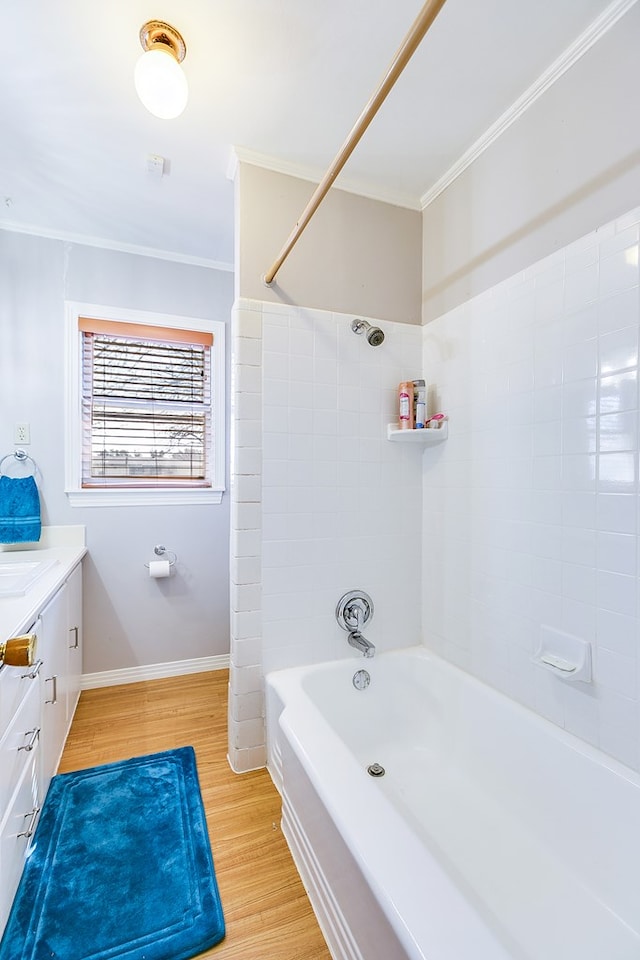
(36,709)
(59,630)
(74,641)
(20,781)
(52,650)
(17,828)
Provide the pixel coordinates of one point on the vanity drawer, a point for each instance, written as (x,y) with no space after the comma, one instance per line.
(14,686)
(15,835)
(18,744)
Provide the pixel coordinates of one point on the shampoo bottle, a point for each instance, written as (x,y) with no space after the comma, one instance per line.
(405,405)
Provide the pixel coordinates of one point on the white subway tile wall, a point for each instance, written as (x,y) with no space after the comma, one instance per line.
(531,508)
(246,689)
(322,501)
(341,506)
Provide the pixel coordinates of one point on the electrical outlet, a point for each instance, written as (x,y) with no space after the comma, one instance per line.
(22,433)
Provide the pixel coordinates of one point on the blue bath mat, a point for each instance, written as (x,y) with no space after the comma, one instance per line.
(120,867)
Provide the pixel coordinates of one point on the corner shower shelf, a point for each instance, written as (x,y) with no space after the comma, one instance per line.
(426,437)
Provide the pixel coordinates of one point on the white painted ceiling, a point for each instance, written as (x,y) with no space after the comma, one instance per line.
(285,79)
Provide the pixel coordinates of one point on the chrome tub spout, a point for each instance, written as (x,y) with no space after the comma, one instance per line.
(360,642)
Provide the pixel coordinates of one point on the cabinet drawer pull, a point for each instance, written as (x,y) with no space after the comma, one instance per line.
(33,734)
(18,651)
(75,632)
(32,823)
(54,698)
(33,673)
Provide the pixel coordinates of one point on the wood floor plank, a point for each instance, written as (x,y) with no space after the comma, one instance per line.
(267,912)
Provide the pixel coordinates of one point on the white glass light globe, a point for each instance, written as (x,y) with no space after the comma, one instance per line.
(161,84)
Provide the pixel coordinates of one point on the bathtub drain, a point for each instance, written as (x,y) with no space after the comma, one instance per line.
(376,770)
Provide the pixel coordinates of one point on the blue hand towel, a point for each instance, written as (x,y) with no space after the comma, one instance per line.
(19,510)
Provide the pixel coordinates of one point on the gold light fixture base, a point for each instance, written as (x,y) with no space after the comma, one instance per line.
(156,32)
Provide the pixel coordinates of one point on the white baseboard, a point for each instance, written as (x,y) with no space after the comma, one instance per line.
(153,671)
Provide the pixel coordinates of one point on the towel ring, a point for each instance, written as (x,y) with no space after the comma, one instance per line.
(23,458)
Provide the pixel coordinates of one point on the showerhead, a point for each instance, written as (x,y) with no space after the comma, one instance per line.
(375,336)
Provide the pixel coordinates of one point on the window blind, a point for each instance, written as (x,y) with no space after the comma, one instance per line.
(146,408)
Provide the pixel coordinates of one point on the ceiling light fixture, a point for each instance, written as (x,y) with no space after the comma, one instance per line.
(160,82)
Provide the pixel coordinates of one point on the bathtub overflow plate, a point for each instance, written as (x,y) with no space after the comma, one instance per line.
(376,770)
(361,679)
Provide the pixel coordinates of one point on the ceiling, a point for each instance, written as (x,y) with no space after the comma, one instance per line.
(283,79)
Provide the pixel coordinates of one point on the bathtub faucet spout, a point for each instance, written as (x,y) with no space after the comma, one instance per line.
(357,640)
(354,611)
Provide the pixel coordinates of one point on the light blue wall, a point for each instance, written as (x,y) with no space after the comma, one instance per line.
(130,620)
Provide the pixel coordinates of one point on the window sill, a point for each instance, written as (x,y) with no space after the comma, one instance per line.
(141,498)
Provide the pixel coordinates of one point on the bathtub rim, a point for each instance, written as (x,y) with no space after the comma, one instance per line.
(283,679)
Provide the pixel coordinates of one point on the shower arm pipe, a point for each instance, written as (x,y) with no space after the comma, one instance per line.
(406,50)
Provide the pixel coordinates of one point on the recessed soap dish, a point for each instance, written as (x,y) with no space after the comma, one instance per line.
(565,655)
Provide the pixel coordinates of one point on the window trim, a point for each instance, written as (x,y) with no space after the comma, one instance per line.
(86,497)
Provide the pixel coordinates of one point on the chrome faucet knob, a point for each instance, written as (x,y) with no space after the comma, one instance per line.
(354,614)
(354,610)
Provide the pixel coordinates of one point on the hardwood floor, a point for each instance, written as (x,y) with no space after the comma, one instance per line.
(267,913)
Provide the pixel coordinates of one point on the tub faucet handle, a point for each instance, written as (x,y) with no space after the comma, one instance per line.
(353,611)
(354,614)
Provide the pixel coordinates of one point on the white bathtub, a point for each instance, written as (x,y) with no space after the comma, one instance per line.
(492,835)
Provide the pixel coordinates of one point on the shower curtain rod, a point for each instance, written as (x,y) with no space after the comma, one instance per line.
(407,48)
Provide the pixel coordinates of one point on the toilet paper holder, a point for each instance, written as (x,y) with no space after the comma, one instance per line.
(161,551)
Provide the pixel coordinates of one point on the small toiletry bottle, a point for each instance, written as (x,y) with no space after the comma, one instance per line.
(405,405)
(420,402)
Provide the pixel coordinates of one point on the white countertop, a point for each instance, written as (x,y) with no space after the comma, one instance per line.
(64,545)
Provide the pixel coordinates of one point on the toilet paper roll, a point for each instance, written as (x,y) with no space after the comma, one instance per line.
(159,569)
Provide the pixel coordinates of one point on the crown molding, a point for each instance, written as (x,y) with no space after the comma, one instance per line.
(594,32)
(232,164)
(315,174)
(12,226)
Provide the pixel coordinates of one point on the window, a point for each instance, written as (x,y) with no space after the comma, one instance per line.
(147,399)
(146,405)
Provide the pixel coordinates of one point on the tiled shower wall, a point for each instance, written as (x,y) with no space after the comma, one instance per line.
(531,509)
(322,501)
